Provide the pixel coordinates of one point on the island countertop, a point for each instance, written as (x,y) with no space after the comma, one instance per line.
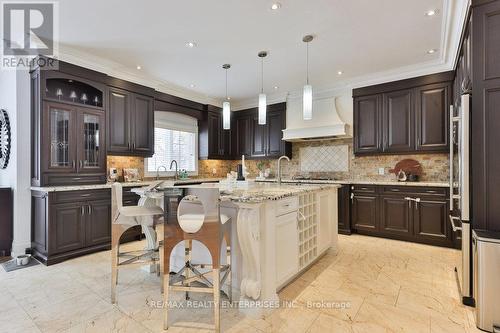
(256,192)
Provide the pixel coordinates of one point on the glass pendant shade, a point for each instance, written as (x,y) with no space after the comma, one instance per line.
(262,109)
(226,115)
(307,102)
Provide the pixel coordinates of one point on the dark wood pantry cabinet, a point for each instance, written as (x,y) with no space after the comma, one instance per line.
(215,142)
(403,117)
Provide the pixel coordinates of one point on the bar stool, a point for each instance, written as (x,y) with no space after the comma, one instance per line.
(122,219)
(195,215)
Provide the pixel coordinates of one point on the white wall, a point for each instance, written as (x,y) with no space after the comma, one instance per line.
(323,110)
(15,98)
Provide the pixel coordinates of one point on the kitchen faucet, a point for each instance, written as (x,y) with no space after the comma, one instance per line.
(176,169)
(284,157)
(158,171)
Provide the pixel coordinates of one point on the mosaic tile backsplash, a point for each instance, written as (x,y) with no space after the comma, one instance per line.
(435,166)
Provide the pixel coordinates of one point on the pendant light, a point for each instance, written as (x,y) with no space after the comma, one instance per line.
(307,95)
(226,106)
(262,96)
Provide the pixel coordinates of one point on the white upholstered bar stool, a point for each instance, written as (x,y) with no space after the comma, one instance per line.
(122,219)
(195,215)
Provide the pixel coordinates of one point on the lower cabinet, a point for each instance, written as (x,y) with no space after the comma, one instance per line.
(73,223)
(287,252)
(416,214)
(364,210)
(431,221)
(395,215)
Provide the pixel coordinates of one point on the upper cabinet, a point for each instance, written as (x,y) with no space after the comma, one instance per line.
(214,141)
(68,126)
(246,137)
(261,141)
(130,123)
(403,117)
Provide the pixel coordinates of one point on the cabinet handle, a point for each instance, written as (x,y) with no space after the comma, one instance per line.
(394,190)
(73,164)
(76,178)
(133,146)
(85,195)
(417,200)
(81,164)
(128,145)
(90,209)
(430,191)
(82,210)
(352,197)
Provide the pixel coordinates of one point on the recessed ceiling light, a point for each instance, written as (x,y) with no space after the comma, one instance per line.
(228,98)
(139,67)
(431,51)
(430,12)
(275,6)
(276,87)
(192,85)
(190,44)
(340,73)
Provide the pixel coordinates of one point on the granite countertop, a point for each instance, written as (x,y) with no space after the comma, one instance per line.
(124,184)
(361,182)
(257,192)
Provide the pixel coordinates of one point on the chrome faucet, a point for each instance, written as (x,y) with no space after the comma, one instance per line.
(158,171)
(176,169)
(284,157)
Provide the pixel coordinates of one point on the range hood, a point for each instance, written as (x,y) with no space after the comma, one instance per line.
(334,128)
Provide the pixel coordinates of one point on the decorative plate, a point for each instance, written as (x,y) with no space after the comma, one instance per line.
(5,139)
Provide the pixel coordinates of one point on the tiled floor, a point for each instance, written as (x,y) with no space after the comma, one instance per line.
(380,285)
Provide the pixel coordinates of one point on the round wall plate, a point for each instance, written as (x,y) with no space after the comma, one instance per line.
(5,139)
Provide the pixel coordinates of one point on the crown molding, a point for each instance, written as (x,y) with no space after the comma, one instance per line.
(454,15)
(115,69)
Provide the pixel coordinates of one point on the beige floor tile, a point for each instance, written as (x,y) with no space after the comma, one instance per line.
(378,317)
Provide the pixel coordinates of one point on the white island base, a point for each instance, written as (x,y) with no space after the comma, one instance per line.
(274,241)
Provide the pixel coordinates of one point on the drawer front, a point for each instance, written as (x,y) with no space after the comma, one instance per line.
(84,195)
(76,179)
(286,206)
(415,190)
(364,188)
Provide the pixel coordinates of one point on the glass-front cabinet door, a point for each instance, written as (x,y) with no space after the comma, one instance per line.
(90,132)
(60,126)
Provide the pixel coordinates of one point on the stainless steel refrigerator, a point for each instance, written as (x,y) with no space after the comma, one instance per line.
(460,191)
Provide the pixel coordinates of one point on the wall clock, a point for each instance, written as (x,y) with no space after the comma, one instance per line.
(5,139)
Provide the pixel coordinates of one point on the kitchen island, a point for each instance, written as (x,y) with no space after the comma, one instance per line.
(278,232)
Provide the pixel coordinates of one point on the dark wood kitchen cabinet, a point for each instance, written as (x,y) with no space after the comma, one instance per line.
(215,142)
(398,121)
(70,224)
(367,124)
(395,215)
(261,141)
(430,220)
(410,213)
(485,115)
(242,135)
(6,221)
(432,116)
(404,117)
(364,210)
(130,119)
(258,137)
(344,209)
(68,141)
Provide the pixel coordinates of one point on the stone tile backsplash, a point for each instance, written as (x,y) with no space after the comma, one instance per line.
(330,158)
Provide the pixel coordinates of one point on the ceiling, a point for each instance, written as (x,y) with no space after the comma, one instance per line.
(361,38)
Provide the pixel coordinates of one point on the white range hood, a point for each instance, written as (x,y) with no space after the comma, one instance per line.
(330,128)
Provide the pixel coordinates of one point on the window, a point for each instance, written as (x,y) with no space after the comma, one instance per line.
(176,138)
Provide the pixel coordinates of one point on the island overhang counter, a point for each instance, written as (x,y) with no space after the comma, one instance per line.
(278,232)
